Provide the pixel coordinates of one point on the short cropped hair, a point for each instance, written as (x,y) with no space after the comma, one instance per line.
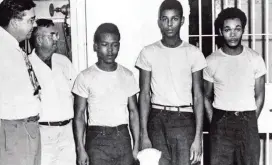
(171,5)
(106,28)
(229,13)
(10,9)
(40,23)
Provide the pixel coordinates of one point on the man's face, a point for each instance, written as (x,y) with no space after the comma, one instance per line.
(107,48)
(232,32)
(170,22)
(25,25)
(48,39)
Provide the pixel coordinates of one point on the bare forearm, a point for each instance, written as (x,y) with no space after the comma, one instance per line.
(135,127)
(208,108)
(79,130)
(198,110)
(144,111)
(259,103)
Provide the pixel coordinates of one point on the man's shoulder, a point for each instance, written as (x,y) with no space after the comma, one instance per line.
(61,58)
(151,47)
(125,70)
(90,70)
(251,53)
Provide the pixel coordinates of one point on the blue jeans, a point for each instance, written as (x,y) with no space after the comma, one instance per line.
(234,138)
(109,145)
(173,134)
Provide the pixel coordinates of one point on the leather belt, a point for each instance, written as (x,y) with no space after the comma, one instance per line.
(107,128)
(236,113)
(56,123)
(182,108)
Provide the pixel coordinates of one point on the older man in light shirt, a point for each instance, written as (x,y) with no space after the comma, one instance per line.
(56,76)
(19,98)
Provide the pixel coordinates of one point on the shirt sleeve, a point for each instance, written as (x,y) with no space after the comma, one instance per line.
(142,61)
(133,87)
(260,68)
(80,88)
(208,71)
(199,61)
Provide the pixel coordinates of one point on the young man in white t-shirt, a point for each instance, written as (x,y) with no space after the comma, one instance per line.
(110,91)
(234,94)
(171,70)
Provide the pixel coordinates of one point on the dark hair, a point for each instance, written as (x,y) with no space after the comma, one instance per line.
(10,9)
(106,28)
(40,23)
(229,13)
(171,4)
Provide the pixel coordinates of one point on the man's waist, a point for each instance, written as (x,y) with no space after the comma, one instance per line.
(179,108)
(234,112)
(107,128)
(27,119)
(55,123)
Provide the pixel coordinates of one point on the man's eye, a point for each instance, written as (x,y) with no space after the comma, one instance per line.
(176,18)
(226,30)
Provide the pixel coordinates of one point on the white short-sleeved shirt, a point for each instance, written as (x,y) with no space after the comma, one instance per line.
(172,68)
(56,83)
(17,100)
(234,78)
(107,94)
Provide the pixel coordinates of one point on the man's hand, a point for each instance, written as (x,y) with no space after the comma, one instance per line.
(196,151)
(135,153)
(82,158)
(145,142)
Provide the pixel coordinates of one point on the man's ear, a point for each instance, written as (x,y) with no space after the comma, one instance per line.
(159,22)
(182,19)
(95,47)
(39,40)
(220,32)
(13,23)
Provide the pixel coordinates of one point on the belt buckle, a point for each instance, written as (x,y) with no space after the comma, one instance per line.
(236,113)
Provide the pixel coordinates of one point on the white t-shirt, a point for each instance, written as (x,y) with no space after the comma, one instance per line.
(17,100)
(171,71)
(234,79)
(107,94)
(56,83)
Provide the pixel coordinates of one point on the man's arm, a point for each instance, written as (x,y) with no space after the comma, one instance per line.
(208,99)
(144,99)
(79,128)
(196,148)
(134,123)
(259,94)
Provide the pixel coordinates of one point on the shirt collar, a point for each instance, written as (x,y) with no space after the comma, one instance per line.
(9,39)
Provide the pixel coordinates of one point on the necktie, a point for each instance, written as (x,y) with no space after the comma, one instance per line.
(32,76)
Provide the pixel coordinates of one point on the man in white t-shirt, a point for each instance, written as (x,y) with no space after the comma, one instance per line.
(234,94)
(56,76)
(173,70)
(110,91)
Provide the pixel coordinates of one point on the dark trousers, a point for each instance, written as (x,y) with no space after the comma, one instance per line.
(172,133)
(234,138)
(109,145)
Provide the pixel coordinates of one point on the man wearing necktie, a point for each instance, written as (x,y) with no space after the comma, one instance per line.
(20,90)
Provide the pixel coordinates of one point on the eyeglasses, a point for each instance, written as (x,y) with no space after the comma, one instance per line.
(53,35)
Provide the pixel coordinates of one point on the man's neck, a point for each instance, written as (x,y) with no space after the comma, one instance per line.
(171,42)
(42,55)
(12,33)
(107,67)
(232,51)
